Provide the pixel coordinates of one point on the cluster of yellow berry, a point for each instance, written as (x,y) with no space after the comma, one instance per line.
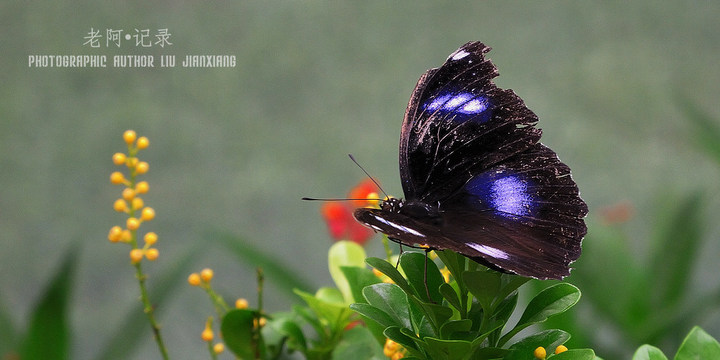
(540,352)
(393,350)
(130,201)
(203,280)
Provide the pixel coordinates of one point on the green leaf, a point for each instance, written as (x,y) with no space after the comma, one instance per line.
(288,328)
(447,349)
(375,314)
(484,285)
(676,244)
(408,340)
(706,130)
(358,278)
(334,313)
(434,313)
(238,333)
(450,329)
(391,272)
(345,254)
(390,299)
(414,265)
(505,309)
(698,345)
(454,262)
(500,317)
(487,353)
(648,352)
(309,317)
(330,295)
(509,284)
(448,293)
(358,344)
(549,339)
(554,300)
(575,354)
(48,336)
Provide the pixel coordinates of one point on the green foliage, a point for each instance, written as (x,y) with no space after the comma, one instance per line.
(646,299)
(240,335)
(697,345)
(466,318)
(126,337)
(48,336)
(326,312)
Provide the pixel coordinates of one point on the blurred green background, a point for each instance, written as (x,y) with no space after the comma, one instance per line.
(233,150)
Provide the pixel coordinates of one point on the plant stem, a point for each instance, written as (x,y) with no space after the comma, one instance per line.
(258,314)
(149,310)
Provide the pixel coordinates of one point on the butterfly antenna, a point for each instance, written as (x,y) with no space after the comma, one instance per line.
(368,175)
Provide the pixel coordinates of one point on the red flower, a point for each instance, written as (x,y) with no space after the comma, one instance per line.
(339,215)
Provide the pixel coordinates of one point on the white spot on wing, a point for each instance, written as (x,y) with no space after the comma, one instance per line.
(400,227)
(490,251)
(459,55)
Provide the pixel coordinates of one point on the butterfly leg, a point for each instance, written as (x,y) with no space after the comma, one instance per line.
(427,289)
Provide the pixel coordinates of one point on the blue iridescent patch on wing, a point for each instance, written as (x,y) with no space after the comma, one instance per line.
(465,105)
(507,194)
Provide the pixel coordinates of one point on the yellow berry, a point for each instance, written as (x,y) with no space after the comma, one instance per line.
(540,353)
(117,178)
(261,322)
(136,255)
(126,235)
(133,223)
(398,355)
(119,158)
(241,303)
(129,136)
(137,203)
(128,194)
(142,167)
(132,162)
(142,187)
(207,334)
(218,348)
(150,238)
(143,143)
(194,279)
(206,275)
(390,348)
(152,254)
(560,349)
(115,234)
(147,214)
(389,353)
(120,205)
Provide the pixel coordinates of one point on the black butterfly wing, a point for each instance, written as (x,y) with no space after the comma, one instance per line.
(524,216)
(458,122)
(476,179)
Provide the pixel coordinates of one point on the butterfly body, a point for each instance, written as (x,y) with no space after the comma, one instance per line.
(476,179)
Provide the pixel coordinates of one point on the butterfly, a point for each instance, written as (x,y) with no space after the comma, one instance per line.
(477,180)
